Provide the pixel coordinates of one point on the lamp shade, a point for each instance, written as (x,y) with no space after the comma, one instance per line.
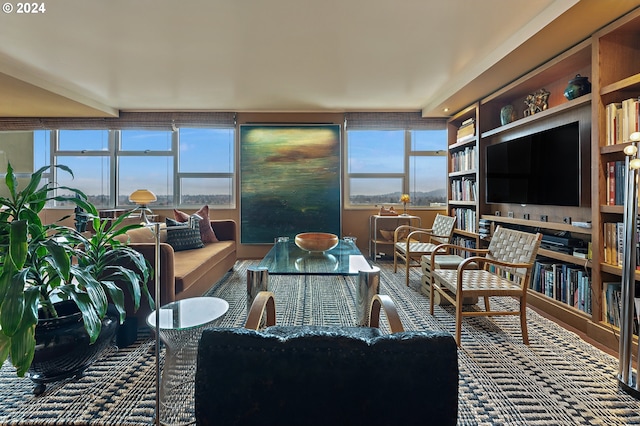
(142,197)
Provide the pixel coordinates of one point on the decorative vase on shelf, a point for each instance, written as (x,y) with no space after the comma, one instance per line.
(577,87)
(507,114)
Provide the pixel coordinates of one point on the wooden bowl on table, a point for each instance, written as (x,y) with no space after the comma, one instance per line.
(316,241)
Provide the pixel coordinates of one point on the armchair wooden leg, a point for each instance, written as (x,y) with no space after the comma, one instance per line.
(431,295)
(523,320)
(408,268)
(395,260)
(487,307)
(458,318)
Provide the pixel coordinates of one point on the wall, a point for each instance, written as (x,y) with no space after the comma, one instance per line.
(16,147)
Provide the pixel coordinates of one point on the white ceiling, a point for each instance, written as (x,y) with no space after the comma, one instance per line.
(99,57)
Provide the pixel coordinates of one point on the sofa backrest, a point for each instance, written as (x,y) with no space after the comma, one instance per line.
(326,375)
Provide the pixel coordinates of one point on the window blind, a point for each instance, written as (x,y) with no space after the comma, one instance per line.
(392,121)
(126,120)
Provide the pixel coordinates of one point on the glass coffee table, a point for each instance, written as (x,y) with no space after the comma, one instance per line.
(286,258)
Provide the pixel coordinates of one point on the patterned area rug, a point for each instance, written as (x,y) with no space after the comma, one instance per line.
(557,380)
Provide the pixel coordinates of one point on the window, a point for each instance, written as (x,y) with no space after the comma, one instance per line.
(187,167)
(428,168)
(206,166)
(383,164)
(86,153)
(145,161)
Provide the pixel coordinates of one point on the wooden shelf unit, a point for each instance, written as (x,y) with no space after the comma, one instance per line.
(610,58)
(455,204)
(616,64)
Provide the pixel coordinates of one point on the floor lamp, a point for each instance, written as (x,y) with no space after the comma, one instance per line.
(628,380)
(156,232)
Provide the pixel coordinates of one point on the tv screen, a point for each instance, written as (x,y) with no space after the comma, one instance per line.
(542,168)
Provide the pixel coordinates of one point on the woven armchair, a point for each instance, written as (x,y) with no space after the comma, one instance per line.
(420,241)
(503,269)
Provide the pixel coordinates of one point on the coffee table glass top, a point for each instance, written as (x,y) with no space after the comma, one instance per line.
(287,258)
(189,313)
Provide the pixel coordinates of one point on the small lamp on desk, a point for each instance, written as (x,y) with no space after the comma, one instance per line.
(142,197)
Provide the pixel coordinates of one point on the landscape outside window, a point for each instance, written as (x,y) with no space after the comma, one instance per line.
(384,164)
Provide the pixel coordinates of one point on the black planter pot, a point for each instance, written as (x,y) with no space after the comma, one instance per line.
(62,345)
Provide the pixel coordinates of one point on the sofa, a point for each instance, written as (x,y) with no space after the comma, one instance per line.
(183,273)
(315,375)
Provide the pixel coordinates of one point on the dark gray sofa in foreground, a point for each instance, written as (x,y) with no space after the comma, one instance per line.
(312,375)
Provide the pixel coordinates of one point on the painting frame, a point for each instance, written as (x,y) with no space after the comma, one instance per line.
(290,180)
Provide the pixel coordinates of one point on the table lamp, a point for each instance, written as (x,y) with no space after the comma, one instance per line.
(142,197)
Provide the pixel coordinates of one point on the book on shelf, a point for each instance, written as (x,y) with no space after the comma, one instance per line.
(464,160)
(621,120)
(466,131)
(465,219)
(564,282)
(463,189)
(616,176)
(613,242)
(612,305)
(463,242)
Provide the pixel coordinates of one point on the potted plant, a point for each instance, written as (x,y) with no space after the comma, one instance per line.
(45,268)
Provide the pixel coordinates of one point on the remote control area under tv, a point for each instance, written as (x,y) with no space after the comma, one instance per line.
(542,168)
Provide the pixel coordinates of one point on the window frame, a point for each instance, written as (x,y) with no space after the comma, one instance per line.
(405,177)
(115,154)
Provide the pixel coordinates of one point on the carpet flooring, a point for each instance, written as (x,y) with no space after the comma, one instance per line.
(557,380)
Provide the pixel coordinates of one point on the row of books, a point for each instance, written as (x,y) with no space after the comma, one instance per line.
(463,242)
(614,243)
(622,120)
(466,131)
(463,160)
(616,178)
(465,219)
(464,189)
(612,305)
(564,282)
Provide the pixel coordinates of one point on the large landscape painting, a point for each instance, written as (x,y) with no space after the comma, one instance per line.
(290,181)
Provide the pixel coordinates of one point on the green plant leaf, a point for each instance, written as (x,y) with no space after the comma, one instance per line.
(92,322)
(5,280)
(128,277)
(117,297)
(18,245)
(12,307)
(5,345)
(22,349)
(61,258)
(11,181)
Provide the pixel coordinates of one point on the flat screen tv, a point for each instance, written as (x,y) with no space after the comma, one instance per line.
(542,168)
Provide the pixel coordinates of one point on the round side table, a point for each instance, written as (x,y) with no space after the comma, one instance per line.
(181,325)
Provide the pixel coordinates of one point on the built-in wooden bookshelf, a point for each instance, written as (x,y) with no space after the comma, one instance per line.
(610,59)
(616,65)
(463,167)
